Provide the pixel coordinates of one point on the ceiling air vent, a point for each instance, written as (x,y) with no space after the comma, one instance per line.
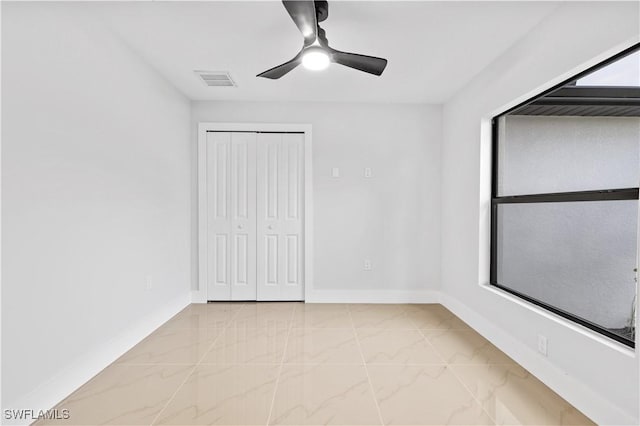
(216,78)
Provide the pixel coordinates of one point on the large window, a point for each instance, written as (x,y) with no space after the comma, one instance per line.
(566,171)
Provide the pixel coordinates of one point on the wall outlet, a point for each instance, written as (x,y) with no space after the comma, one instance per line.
(335,172)
(542,344)
(367,265)
(149,282)
(367,172)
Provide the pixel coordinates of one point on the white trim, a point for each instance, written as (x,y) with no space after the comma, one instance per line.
(590,403)
(607,54)
(637,319)
(308,212)
(85,367)
(202,210)
(372,296)
(200,295)
(564,322)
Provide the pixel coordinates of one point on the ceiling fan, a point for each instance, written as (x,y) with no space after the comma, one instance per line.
(316,53)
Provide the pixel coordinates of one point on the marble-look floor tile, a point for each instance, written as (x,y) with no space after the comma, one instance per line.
(322,346)
(433,316)
(381,316)
(324,395)
(388,346)
(424,395)
(239,345)
(303,364)
(264,315)
(172,346)
(215,306)
(223,395)
(203,315)
(310,307)
(512,396)
(322,315)
(123,395)
(460,346)
(377,307)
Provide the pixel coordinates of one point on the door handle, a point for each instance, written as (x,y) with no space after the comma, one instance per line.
(270,226)
(239,226)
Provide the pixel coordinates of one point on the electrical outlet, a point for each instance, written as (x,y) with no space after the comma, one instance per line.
(367,265)
(149,282)
(542,344)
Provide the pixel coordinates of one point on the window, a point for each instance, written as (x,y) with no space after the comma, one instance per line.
(566,171)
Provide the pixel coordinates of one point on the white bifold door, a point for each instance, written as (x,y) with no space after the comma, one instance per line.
(255,203)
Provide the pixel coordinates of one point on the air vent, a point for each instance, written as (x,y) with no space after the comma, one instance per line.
(216,78)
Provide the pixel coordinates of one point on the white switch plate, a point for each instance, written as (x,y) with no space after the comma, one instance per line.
(367,265)
(542,344)
(335,172)
(367,172)
(149,282)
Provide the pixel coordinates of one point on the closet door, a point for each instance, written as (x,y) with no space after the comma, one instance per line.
(231,198)
(280,204)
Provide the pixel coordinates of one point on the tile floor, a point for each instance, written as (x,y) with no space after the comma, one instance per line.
(299,364)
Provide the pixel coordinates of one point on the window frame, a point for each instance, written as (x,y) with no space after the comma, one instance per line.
(588,195)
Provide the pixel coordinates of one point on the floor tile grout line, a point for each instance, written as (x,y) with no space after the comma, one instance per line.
(116,363)
(277,367)
(464,363)
(451,369)
(449,366)
(306,363)
(366,369)
(436,350)
(284,354)
(223,332)
(193,369)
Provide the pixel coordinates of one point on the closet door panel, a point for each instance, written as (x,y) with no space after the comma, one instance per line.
(231,186)
(243,216)
(218,220)
(279,208)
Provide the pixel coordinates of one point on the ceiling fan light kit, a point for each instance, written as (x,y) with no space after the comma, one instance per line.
(315,59)
(316,53)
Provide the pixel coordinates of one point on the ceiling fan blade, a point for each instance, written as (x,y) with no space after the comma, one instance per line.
(303,13)
(365,63)
(277,72)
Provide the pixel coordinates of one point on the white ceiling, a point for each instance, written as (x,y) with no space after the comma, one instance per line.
(433,48)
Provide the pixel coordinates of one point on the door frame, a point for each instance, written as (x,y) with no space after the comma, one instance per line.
(200,295)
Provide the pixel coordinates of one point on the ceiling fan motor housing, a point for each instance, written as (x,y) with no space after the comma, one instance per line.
(322,10)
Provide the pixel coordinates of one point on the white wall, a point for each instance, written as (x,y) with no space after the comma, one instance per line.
(393,218)
(95,197)
(598,377)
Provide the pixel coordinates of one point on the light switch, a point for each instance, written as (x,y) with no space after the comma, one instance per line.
(367,172)
(335,172)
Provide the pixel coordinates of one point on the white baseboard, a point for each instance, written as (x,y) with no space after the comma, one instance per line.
(51,392)
(354,296)
(198,296)
(372,296)
(584,399)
